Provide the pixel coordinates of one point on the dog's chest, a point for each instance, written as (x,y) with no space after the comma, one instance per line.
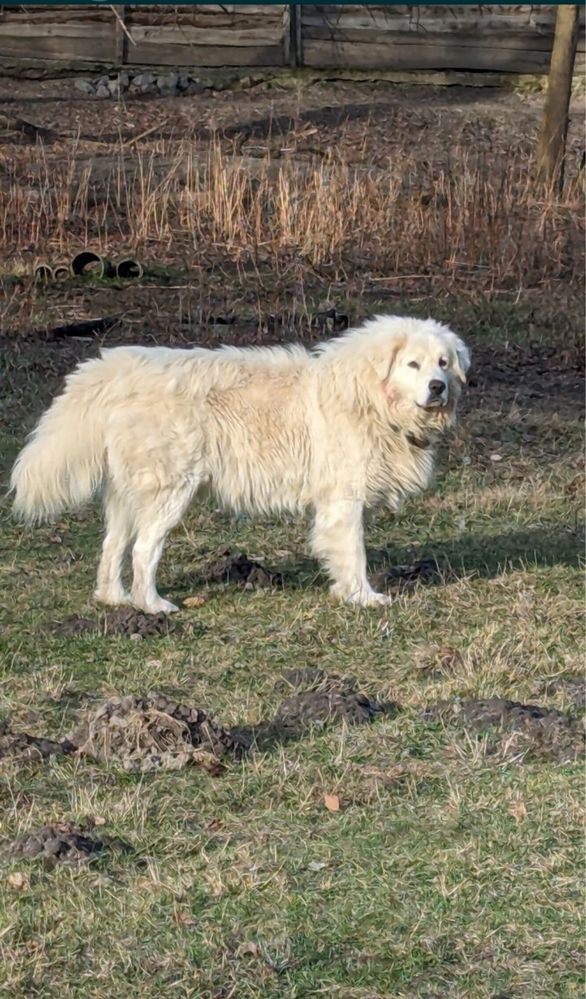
(397,468)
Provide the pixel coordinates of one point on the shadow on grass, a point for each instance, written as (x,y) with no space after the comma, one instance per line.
(442,562)
(491,555)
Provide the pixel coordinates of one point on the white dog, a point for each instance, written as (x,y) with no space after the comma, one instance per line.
(352,424)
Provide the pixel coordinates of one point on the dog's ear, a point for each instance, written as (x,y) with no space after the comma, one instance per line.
(463,359)
(386,369)
(391,351)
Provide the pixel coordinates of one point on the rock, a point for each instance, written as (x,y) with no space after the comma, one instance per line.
(86,86)
(103,81)
(103,92)
(144,82)
(183,81)
(119,84)
(195,87)
(167,84)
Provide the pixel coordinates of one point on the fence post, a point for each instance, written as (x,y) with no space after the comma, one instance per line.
(295,36)
(120,38)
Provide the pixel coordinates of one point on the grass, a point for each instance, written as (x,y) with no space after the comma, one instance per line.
(448,871)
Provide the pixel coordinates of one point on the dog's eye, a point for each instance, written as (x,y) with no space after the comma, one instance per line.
(414,364)
(443,363)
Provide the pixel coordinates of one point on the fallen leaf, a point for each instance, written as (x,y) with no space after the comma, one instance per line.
(250,947)
(99,820)
(496,457)
(518,810)
(197,601)
(184,919)
(332,802)
(316,865)
(18,881)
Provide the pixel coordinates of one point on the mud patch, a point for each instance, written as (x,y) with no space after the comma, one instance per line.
(60,843)
(240,569)
(123,621)
(406,578)
(22,748)
(528,731)
(154,732)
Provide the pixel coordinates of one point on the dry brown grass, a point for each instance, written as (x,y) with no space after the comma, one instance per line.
(478,218)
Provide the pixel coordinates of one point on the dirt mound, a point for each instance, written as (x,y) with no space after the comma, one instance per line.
(318,707)
(123,621)
(529,730)
(60,843)
(405,578)
(239,568)
(152,732)
(20,747)
(331,698)
(572,685)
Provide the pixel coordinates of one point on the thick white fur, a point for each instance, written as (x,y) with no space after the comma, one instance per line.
(337,429)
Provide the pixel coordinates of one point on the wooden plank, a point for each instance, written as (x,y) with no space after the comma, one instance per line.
(346,29)
(213,9)
(55,15)
(187,36)
(152,53)
(479,17)
(206,17)
(521,41)
(94,41)
(447,55)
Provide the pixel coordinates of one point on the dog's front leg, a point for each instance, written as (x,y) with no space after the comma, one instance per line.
(338,541)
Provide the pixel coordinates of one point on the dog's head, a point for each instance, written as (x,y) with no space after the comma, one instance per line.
(409,371)
(427,366)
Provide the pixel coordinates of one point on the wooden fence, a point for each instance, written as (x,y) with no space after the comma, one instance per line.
(497,38)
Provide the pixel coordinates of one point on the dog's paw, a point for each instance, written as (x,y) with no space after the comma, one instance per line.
(363,596)
(113,597)
(162,606)
(374,599)
(159,606)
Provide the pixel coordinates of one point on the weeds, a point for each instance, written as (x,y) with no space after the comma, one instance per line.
(472,218)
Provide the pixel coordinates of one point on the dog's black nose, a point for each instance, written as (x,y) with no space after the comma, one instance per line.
(436,386)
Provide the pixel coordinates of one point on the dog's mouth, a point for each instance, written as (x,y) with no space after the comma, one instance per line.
(432,404)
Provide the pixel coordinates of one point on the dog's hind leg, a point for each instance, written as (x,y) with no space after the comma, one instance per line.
(338,541)
(119,530)
(156,518)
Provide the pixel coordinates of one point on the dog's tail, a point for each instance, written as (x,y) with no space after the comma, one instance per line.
(64,461)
